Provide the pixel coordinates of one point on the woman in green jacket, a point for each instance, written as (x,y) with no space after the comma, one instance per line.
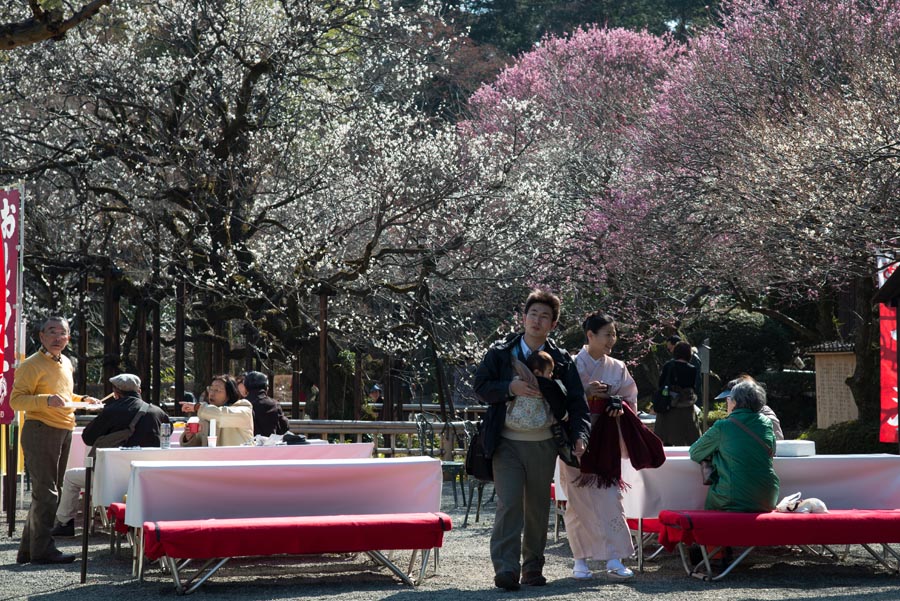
(741,448)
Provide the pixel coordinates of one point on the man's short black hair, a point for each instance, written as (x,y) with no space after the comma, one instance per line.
(544,297)
(673,340)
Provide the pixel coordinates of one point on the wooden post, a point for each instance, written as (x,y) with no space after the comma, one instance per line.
(143,352)
(357,386)
(295,387)
(81,326)
(323,354)
(111,343)
(179,345)
(156,352)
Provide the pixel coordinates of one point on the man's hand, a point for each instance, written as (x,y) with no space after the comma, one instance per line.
(521,388)
(580,448)
(54,400)
(91,400)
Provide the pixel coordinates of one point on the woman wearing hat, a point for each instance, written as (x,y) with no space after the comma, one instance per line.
(234,416)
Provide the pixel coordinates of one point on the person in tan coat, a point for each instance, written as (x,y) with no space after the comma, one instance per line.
(234,416)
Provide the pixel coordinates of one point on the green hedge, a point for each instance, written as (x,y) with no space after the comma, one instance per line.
(847,438)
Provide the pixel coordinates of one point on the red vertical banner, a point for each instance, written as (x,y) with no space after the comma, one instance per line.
(888,338)
(10,221)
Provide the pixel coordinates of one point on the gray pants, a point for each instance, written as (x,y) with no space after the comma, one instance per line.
(523,472)
(46,454)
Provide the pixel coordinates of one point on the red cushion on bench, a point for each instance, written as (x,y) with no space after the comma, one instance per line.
(838,527)
(205,539)
(648,525)
(115,513)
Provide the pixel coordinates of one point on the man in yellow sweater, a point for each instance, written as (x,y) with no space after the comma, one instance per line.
(42,388)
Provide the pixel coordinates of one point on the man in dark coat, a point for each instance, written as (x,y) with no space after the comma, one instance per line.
(524,462)
(268,418)
(116,415)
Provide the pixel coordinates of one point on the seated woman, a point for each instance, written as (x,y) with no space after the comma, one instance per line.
(234,416)
(741,448)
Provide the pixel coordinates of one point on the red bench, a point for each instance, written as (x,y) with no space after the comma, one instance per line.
(864,527)
(218,540)
(115,517)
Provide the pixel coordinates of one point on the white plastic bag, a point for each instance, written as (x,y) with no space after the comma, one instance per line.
(794,504)
(812,505)
(789,503)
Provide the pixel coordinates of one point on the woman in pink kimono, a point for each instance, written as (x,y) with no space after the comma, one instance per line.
(595,518)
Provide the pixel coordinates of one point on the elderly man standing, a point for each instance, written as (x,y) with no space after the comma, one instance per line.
(116,416)
(42,388)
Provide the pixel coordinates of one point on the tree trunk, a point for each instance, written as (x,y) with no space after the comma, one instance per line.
(864,383)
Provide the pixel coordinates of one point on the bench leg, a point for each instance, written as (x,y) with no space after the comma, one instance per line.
(703,570)
(882,557)
(380,558)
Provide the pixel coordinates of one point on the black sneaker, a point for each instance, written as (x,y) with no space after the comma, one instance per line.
(533,579)
(66,530)
(507,580)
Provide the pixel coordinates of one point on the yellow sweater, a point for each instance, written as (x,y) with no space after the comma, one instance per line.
(36,379)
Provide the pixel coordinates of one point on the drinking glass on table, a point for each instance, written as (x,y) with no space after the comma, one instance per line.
(165,435)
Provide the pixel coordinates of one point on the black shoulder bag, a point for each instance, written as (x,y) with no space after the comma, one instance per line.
(479,465)
(116,438)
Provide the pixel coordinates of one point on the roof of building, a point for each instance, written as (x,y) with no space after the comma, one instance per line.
(831,347)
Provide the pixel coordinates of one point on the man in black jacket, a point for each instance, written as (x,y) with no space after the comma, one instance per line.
(268,418)
(524,462)
(116,415)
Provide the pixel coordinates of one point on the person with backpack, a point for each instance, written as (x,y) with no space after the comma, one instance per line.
(117,416)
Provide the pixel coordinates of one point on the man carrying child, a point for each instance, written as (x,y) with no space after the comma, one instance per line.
(522,443)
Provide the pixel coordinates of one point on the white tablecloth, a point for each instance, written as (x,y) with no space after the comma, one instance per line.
(113,466)
(78,451)
(236,489)
(842,481)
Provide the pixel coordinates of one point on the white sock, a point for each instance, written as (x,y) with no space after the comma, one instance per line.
(614,564)
(581,566)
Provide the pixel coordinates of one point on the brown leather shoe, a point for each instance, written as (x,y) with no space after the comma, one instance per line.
(507,580)
(533,579)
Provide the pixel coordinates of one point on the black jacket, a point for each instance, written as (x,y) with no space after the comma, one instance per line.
(118,413)
(268,418)
(492,379)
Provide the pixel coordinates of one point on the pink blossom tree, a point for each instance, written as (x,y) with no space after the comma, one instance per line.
(562,114)
(769,161)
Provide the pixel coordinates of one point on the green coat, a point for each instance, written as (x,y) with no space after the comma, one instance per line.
(746,476)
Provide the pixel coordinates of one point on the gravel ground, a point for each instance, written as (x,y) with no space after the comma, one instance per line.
(465,573)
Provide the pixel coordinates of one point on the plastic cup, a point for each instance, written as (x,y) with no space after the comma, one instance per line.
(211,441)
